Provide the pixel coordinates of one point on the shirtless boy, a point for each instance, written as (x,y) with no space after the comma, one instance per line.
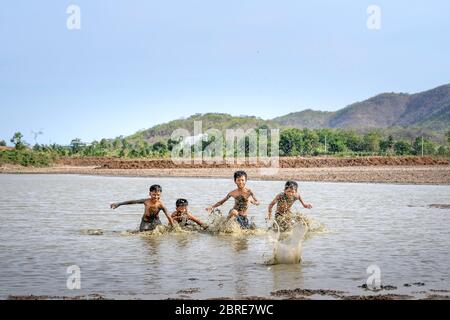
(153,206)
(243,197)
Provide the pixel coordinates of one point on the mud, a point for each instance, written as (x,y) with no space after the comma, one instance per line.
(438,174)
(285,162)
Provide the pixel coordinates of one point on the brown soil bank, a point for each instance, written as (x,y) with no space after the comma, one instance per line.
(288,162)
(369,174)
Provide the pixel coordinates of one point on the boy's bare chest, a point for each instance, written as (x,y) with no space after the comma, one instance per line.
(241,195)
(152,207)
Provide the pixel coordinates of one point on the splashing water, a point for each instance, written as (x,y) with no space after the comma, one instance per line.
(220,224)
(287,246)
(289,249)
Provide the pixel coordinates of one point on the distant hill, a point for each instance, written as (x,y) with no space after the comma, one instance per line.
(429,109)
(425,111)
(306,119)
(220,121)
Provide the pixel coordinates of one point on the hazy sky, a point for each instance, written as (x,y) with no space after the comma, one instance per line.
(137,63)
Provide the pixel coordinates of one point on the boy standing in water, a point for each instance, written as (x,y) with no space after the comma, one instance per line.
(182,215)
(285,201)
(153,206)
(243,197)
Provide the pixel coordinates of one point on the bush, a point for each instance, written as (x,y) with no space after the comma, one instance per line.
(402,148)
(26,158)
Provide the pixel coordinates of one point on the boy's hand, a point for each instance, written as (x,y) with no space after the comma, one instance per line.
(114,206)
(209,209)
(255,202)
(308,206)
(269,216)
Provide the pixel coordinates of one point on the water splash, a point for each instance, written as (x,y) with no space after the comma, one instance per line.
(287,249)
(220,224)
(161,230)
(287,235)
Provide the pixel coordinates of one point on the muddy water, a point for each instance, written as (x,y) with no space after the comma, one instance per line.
(45,222)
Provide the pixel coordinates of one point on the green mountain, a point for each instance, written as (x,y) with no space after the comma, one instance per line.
(427,111)
(220,121)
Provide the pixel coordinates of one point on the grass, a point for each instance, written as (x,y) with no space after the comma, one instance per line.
(26,158)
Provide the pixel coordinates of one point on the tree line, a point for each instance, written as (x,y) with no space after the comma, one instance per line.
(293,142)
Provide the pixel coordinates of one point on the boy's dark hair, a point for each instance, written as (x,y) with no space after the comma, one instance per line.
(291,185)
(239,174)
(182,202)
(155,188)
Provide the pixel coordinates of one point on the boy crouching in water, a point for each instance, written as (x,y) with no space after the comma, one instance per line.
(182,215)
(284,202)
(243,198)
(152,207)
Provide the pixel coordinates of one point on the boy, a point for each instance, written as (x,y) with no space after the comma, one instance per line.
(153,207)
(182,215)
(243,197)
(285,201)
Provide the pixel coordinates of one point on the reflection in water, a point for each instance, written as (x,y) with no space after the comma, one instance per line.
(240,244)
(152,245)
(287,276)
(183,241)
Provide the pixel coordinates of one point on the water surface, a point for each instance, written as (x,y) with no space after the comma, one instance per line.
(44,219)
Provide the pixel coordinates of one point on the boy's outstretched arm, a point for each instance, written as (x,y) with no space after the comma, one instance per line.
(195,219)
(116,205)
(271,205)
(305,205)
(218,204)
(164,209)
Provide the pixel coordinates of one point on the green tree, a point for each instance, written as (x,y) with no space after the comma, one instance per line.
(117,143)
(105,144)
(18,142)
(402,148)
(310,141)
(354,141)
(336,145)
(429,147)
(160,148)
(290,142)
(387,145)
(134,153)
(2,143)
(372,142)
(443,151)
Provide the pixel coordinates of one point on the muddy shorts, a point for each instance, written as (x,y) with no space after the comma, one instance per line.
(244,222)
(149,225)
(283,222)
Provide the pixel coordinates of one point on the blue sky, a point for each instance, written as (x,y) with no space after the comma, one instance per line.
(137,63)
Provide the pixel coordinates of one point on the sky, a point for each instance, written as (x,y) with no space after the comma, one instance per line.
(137,63)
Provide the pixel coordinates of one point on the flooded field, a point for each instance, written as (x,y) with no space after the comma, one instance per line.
(52,222)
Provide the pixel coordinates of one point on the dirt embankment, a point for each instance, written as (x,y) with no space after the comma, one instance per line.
(288,162)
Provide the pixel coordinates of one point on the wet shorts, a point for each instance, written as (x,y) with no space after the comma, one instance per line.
(149,225)
(244,223)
